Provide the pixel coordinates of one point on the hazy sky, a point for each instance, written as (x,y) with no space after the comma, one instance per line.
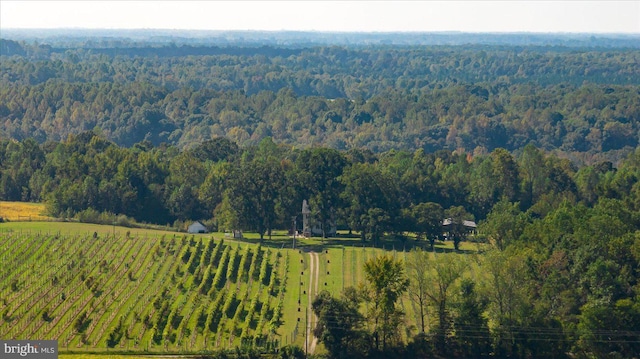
(364,15)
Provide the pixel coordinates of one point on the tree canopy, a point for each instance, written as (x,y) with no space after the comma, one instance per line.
(581,102)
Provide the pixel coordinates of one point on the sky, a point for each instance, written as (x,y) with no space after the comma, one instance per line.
(545,16)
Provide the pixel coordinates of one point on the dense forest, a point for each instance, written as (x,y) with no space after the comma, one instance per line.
(260,187)
(581,103)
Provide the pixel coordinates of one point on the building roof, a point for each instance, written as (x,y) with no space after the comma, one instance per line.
(470,224)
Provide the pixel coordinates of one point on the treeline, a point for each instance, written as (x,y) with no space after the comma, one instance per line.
(582,103)
(261,187)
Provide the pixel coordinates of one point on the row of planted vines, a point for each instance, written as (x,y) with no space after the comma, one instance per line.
(170,294)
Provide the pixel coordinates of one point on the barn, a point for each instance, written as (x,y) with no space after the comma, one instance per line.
(197,227)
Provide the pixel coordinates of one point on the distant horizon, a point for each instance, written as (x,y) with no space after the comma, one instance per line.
(326,31)
(53,31)
(346,16)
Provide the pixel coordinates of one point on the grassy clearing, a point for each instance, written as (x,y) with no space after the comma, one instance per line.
(52,272)
(295,299)
(23,211)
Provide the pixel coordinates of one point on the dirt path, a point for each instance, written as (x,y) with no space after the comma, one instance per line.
(314,272)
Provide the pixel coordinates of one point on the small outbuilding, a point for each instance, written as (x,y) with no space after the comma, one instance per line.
(197,227)
(458,230)
(468,225)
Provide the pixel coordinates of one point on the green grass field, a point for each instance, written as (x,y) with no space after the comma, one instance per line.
(150,291)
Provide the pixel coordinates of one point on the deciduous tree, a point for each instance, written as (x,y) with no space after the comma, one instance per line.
(387,282)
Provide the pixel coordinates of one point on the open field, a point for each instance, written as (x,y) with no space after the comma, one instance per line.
(156,292)
(22,211)
(76,228)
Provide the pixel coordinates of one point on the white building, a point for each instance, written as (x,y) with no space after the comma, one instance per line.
(197,227)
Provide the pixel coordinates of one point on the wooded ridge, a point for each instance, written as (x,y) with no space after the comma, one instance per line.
(582,103)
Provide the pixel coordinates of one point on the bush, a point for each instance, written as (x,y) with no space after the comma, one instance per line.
(82,323)
(91,215)
(46,317)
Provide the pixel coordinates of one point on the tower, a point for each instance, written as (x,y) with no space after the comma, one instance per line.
(306,227)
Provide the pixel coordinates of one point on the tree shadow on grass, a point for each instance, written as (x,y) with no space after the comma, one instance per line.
(317,244)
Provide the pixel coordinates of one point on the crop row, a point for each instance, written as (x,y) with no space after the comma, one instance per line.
(176,294)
